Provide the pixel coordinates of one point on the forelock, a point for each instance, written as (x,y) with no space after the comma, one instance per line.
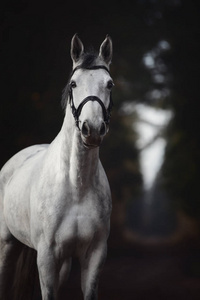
(89,59)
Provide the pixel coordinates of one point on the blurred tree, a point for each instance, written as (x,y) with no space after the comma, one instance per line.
(182,164)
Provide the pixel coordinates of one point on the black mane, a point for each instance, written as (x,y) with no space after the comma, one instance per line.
(88,61)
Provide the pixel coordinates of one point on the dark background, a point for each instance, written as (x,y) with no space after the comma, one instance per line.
(153,254)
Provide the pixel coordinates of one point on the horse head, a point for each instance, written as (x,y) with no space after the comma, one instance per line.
(90,91)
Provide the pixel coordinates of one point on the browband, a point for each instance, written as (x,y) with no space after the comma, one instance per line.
(90,68)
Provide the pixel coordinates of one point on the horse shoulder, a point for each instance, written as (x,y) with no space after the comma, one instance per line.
(18,160)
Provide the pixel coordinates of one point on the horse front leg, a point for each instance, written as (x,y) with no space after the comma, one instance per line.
(9,253)
(91,264)
(53,272)
(48,272)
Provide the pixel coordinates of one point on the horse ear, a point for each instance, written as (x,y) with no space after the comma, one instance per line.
(105,51)
(77,48)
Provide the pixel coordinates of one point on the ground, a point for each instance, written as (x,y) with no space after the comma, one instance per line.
(150,269)
(143,274)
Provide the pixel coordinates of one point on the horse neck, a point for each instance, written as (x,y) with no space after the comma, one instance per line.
(80,163)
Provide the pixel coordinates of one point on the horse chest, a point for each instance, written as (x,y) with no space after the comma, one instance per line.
(79,225)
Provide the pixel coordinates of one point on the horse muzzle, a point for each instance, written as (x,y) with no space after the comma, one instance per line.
(92,135)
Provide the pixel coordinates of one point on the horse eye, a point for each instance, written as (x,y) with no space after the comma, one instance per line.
(73,84)
(110,84)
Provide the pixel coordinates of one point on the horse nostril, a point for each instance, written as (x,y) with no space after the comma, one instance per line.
(103,129)
(85,129)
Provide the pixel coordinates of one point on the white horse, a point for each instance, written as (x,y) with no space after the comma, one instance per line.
(56,198)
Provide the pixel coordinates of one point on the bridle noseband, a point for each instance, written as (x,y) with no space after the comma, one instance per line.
(77,111)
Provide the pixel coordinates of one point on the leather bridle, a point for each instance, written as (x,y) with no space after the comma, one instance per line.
(77,111)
